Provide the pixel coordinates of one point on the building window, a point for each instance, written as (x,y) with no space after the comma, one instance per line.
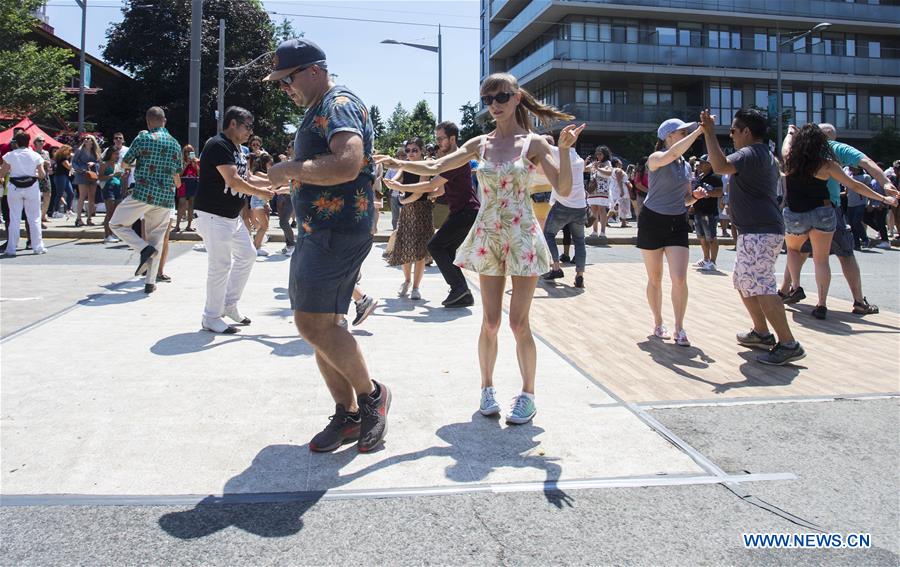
(851,46)
(690,35)
(760,40)
(591,30)
(576,30)
(875,49)
(605,32)
(801,116)
(666,36)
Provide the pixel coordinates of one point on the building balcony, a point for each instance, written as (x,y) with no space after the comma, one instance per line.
(640,118)
(566,54)
(540,15)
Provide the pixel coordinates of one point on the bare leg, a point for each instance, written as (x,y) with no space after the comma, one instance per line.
(677,260)
(407,272)
(850,268)
(419,272)
(492,288)
(821,246)
(165,250)
(704,245)
(519,322)
(338,351)
(756,314)
(653,262)
(795,260)
(190,212)
(773,308)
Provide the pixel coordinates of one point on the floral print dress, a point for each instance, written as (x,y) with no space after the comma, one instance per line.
(506,239)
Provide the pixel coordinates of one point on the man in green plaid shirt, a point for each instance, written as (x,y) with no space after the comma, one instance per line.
(156,156)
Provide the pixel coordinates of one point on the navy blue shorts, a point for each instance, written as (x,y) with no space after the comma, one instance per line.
(324,268)
(111,192)
(705,226)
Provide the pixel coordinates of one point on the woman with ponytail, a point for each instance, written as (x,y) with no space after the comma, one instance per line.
(505,240)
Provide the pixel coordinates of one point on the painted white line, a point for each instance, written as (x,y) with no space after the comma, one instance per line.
(759,400)
(20,298)
(10,500)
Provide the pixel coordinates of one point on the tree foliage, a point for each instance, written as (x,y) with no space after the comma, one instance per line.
(153,43)
(403,125)
(469,127)
(31,78)
(377,122)
(885,146)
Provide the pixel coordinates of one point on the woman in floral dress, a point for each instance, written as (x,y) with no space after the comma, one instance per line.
(506,239)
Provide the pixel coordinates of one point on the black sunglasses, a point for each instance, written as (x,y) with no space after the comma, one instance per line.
(502,98)
(290,78)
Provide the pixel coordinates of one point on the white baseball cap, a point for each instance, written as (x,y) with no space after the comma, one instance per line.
(673,125)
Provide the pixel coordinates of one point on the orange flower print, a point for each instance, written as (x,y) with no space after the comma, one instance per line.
(306,226)
(326,206)
(341,100)
(321,122)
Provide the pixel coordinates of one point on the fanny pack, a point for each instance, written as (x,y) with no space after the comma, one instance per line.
(23,182)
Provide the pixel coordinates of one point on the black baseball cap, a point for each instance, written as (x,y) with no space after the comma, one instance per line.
(292,54)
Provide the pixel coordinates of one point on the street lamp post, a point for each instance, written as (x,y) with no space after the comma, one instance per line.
(794,36)
(83,5)
(194,83)
(434,49)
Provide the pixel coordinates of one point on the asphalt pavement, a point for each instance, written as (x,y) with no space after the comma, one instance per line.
(843,452)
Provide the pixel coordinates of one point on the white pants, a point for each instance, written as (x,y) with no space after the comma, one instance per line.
(231,255)
(30,200)
(624,208)
(156,222)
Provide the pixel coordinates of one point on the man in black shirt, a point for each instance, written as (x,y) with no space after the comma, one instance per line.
(706,213)
(224,180)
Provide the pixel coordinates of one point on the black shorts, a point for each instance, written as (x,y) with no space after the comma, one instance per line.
(657,231)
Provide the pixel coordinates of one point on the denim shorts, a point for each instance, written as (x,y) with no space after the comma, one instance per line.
(841,241)
(257,203)
(112,192)
(705,226)
(324,268)
(820,218)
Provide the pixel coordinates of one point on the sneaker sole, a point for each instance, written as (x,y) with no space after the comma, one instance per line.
(365,314)
(762,346)
(332,448)
(794,358)
(489,412)
(520,420)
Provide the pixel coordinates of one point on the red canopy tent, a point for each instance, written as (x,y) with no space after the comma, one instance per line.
(33,130)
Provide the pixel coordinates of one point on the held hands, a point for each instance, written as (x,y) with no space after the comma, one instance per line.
(890,201)
(890,190)
(278,176)
(386,161)
(569,135)
(708,122)
(700,193)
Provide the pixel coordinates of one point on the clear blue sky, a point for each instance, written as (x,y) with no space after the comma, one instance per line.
(381,75)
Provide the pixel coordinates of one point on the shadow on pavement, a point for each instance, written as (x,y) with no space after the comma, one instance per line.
(837,322)
(393,306)
(248,503)
(120,292)
(186,343)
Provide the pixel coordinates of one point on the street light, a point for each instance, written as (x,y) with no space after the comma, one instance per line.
(794,36)
(432,49)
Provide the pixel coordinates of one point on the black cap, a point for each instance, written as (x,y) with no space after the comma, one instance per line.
(294,53)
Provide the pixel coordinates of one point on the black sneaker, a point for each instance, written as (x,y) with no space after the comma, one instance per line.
(753,339)
(579,281)
(456,295)
(780,355)
(794,296)
(465,301)
(147,255)
(373,417)
(864,307)
(820,312)
(553,275)
(564,258)
(342,427)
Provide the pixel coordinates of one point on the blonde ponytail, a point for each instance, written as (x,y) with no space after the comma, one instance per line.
(528,104)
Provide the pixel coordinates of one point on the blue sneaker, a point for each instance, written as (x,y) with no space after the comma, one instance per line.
(489,405)
(522,411)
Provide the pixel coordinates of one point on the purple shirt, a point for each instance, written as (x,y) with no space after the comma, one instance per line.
(458,190)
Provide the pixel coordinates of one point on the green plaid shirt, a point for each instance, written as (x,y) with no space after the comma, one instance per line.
(158,157)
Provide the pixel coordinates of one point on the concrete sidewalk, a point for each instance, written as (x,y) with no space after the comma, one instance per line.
(148,404)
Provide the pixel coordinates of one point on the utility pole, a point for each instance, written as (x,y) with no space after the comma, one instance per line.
(220,103)
(194,98)
(440,79)
(83,5)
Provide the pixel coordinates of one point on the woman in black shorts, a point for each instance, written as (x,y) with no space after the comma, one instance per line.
(662,225)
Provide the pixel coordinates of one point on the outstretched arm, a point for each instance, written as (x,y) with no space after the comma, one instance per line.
(450,161)
(663,158)
(717,158)
(421,187)
(837,173)
(560,176)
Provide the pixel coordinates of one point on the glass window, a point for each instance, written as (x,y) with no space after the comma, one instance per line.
(851,46)
(875,49)
(714,96)
(799,45)
(631,35)
(591,31)
(666,36)
(735,40)
(577,30)
(887,105)
(650,96)
(605,32)
(665,98)
(761,99)
(874,105)
(581,94)
(713,38)
(817,106)
(760,41)
(594,94)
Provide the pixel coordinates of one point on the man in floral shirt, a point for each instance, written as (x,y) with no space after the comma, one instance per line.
(156,157)
(333,171)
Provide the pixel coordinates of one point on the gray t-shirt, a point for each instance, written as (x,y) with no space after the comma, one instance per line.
(854,199)
(752,197)
(669,185)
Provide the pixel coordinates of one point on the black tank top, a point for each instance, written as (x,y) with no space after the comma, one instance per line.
(805,193)
(408,179)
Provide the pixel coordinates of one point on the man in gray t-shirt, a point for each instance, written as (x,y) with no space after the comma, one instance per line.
(754,211)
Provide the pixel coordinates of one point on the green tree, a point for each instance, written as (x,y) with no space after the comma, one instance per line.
(152,42)
(31,79)
(422,122)
(469,127)
(635,145)
(396,132)
(377,122)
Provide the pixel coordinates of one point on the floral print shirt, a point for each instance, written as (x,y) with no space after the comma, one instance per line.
(158,157)
(347,207)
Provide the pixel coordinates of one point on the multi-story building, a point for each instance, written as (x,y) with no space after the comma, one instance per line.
(623,67)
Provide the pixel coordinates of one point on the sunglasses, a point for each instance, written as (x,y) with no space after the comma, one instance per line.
(289,80)
(413,150)
(248,126)
(502,98)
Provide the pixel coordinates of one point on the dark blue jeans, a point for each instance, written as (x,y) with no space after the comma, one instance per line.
(855,220)
(61,184)
(558,217)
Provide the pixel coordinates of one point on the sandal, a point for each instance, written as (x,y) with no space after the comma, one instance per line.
(78,223)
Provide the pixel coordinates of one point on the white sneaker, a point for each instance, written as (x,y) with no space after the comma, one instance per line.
(711,266)
(265,238)
(200,247)
(884,245)
(40,251)
(661,332)
(489,405)
(231,311)
(404,289)
(217,325)
(342,323)
(415,294)
(701,263)
(287,250)
(262,252)
(681,338)
(109,240)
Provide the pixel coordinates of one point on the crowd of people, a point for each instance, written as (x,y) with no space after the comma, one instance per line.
(492,205)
